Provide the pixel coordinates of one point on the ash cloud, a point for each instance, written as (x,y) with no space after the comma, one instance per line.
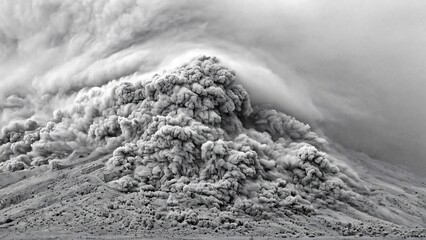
(352,70)
(114,81)
(191,136)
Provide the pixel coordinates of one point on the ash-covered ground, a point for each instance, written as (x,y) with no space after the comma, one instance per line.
(186,154)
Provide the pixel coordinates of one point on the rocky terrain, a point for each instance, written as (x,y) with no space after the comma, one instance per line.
(186,155)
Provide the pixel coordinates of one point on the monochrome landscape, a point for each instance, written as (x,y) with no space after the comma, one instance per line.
(212,120)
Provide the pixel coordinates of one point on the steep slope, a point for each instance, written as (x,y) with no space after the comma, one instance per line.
(187,150)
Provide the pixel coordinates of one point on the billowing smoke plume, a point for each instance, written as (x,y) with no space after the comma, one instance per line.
(112,83)
(191,136)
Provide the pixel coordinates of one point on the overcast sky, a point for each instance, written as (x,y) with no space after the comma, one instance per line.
(352,69)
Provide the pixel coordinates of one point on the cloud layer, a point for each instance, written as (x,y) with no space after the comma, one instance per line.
(352,70)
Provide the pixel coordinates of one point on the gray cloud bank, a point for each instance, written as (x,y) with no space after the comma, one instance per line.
(352,70)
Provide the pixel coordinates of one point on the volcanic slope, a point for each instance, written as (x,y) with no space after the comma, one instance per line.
(185,153)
